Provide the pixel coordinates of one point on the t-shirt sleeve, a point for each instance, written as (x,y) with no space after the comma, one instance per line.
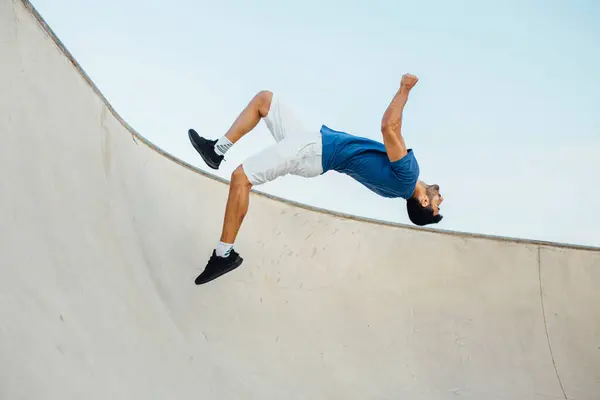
(406,169)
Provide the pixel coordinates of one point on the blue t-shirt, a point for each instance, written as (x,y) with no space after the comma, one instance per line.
(366,161)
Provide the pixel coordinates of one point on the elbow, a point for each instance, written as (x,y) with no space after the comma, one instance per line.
(387,126)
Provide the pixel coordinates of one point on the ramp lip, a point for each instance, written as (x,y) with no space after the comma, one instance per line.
(461,234)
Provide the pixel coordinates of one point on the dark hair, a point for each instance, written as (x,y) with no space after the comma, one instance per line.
(420,215)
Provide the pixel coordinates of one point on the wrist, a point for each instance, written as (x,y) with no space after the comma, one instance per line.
(402,97)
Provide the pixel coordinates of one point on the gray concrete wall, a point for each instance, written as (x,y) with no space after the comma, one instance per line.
(102,235)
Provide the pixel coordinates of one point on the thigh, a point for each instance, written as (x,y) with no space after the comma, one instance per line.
(309,157)
(281,121)
(295,156)
(270,163)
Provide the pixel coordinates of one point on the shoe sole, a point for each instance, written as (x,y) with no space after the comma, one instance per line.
(236,264)
(208,162)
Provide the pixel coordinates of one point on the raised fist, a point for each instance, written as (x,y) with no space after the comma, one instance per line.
(408,81)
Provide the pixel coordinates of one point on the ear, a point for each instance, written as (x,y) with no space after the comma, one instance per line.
(424,200)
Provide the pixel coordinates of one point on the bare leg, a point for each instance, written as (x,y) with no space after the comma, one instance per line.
(250,117)
(239,188)
(239,192)
(237,205)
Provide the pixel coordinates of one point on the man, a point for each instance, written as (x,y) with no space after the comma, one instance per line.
(388,169)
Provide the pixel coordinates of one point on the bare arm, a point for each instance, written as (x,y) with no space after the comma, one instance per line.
(391,123)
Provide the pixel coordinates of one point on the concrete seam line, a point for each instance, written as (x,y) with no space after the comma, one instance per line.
(539,262)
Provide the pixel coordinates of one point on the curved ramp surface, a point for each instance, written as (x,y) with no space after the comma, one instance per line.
(102,235)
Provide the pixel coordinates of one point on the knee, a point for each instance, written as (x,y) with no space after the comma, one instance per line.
(263,102)
(239,180)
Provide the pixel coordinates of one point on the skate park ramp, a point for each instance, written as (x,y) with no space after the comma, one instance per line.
(102,235)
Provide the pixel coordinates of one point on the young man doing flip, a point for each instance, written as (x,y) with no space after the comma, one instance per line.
(388,169)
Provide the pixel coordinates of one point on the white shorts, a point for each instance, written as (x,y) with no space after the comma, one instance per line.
(297,151)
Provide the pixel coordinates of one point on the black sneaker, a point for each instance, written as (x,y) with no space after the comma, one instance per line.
(206,148)
(218,266)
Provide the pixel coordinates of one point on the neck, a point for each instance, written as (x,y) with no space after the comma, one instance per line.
(420,190)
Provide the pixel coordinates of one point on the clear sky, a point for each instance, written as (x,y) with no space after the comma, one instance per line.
(505,117)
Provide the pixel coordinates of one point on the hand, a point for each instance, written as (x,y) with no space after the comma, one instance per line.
(408,81)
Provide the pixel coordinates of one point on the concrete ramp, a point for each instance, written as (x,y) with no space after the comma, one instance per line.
(102,235)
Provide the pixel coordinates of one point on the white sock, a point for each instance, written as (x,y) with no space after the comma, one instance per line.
(222,146)
(223,249)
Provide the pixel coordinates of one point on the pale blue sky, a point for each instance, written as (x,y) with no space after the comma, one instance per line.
(505,116)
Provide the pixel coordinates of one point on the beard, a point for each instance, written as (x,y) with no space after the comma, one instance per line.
(432,191)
